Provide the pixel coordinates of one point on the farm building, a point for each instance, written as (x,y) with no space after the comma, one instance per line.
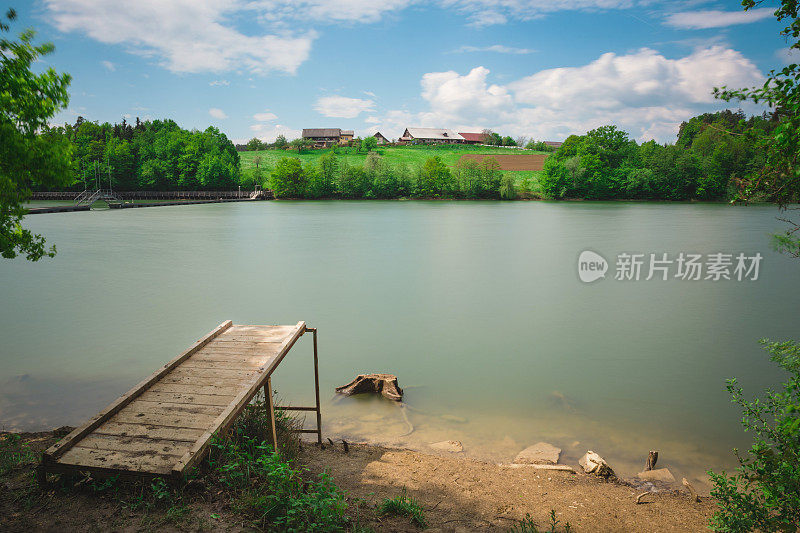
(380,138)
(430,136)
(474,138)
(324,137)
(554,144)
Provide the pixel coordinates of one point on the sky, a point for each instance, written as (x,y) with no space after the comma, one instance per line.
(544,69)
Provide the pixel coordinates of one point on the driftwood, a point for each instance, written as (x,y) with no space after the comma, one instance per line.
(640,496)
(385,384)
(693,492)
(652,459)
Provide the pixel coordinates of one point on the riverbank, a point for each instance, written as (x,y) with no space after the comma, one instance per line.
(456,494)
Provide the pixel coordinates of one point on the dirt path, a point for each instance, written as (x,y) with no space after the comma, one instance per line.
(464,495)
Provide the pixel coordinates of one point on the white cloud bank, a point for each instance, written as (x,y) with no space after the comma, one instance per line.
(644,93)
(699,20)
(183,35)
(342,106)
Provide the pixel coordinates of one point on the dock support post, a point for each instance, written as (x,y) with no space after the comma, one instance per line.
(316,387)
(268,403)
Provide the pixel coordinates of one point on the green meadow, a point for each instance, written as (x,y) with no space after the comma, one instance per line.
(411,156)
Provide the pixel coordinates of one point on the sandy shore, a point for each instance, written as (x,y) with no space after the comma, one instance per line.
(457,494)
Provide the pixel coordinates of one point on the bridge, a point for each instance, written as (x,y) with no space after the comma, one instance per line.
(128,199)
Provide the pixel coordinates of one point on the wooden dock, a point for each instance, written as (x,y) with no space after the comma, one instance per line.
(163,426)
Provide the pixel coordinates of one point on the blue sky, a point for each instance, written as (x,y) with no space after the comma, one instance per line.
(539,68)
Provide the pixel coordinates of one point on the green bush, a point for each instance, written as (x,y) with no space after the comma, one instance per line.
(403,505)
(764,493)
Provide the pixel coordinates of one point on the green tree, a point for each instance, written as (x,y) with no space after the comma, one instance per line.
(779,179)
(369,144)
(288,180)
(434,178)
(27,101)
(764,493)
(280,142)
(255,144)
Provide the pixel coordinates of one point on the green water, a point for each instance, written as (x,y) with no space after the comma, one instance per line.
(477,307)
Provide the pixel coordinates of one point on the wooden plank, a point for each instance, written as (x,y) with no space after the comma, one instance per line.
(242,399)
(149,430)
(208,381)
(141,406)
(212,366)
(97,441)
(210,373)
(176,420)
(186,398)
(64,444)
(204,390)
(214,356)
(155,463)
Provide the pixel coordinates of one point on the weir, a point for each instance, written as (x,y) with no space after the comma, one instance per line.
(164,425)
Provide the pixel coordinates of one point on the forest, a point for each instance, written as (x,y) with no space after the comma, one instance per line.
(713,156)
(149,155)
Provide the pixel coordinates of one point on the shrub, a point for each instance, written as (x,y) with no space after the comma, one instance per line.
(403,505)
(764,493)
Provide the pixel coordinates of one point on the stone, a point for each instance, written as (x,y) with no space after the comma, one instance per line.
(592,463)
(540,453)
(659,474)
(452,446)
(384,384)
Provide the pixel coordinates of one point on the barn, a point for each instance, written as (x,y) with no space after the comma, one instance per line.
(430,136)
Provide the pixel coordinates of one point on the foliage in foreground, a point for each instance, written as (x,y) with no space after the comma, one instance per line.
(268,488)
(27,102)
(527,525)
(764,493)
(13,453)
(403,505)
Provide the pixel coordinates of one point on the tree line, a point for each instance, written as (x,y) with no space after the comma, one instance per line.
(149,155)
(715,155)
(330,177)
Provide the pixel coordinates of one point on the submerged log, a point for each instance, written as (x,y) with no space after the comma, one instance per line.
(385,384)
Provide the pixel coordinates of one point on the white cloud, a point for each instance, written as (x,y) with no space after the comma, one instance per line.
(454,95)
(219,83)
(109,66)
(363,11)
(498,48)
(697,20)
(372,120)
(643,92)
(266,116)
(342,106)
(217,113)
(491,12)
(269,132)
(183,35)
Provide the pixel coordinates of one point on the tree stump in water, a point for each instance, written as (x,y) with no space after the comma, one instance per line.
(652,458)
(385,384)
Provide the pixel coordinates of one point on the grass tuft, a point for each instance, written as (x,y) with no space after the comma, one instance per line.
(403,505)
(527,525)
(14,453)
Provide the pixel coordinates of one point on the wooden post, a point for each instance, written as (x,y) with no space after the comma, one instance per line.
(316,387)
(652,459)
(271,407)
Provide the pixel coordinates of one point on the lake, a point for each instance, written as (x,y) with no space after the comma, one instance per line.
(477,307)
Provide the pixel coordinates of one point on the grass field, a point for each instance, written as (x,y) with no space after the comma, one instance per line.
(412,156)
